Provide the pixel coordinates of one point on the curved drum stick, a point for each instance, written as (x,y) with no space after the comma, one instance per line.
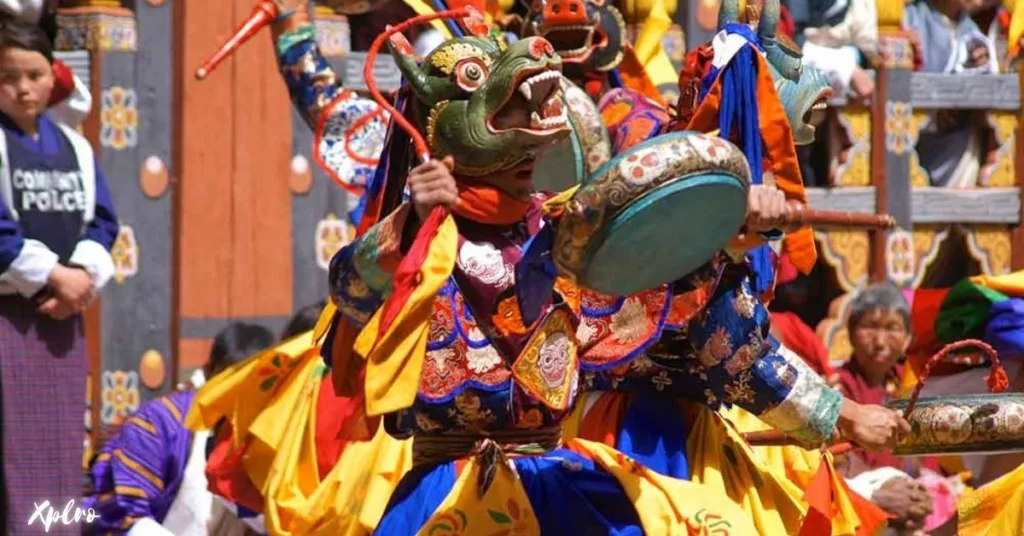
(262,15)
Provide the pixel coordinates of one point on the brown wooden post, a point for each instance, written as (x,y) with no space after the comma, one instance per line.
(1017,234)
(892,136)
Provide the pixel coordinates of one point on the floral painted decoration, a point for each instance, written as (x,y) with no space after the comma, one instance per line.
(119,118)
(126,254)
(120,395)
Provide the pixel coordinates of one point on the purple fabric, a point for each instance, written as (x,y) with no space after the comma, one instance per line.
(484,282)
(141,468)
(43,368)
(1005,329)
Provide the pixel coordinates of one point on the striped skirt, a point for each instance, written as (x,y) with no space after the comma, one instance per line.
(43,369)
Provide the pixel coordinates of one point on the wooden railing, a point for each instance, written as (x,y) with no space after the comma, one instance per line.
(880,172)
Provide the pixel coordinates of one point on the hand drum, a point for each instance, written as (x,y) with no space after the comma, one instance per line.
(653,214)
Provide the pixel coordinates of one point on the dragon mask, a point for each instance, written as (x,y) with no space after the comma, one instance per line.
(805,101)
(589,34)
(488,104)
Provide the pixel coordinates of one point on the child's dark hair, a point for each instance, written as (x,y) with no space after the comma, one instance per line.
(304,320)
(26,36)
(237,342)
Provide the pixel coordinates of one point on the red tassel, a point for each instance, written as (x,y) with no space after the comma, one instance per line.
(997,381)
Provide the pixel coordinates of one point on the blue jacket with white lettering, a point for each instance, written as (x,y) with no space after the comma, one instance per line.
(55,208)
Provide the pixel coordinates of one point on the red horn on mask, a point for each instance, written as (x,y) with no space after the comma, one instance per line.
(262,15)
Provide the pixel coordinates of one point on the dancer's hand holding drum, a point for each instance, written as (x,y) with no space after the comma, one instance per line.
(766,209)
(871,427)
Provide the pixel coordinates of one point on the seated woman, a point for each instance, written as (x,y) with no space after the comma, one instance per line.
(878,325)
(149,478)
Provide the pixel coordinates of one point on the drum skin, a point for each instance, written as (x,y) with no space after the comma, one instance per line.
(566,163)
(653,214)
(964,424)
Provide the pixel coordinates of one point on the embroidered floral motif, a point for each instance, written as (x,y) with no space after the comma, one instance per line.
(453,360)
(615,328)
(717,348)
(739,391)
(469,412)
(710,398)
(270,373)
(585,333)
(425,423)
(716,524)
(440,358)
(571,465)
(745,355)
(630,322)
(641,366)
(744,303)
(661,381)
(356,288)
(481,360)
(786,374)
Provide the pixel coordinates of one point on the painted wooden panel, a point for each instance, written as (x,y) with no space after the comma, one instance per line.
(125,305)
(260,203)
(204,171)
(235,135)
(153,194)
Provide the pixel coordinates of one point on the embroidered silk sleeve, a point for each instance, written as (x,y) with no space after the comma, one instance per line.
(728,354)
(360,273)
(311,82)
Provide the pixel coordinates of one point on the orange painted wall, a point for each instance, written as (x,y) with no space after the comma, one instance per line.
(233,155)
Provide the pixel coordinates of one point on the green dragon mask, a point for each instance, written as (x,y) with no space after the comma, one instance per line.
(487,104)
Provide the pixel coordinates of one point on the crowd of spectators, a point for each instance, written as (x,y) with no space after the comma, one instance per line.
(953,37)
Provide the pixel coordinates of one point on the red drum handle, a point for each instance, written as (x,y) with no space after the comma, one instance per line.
(997,382)
(262,15)
(997,379)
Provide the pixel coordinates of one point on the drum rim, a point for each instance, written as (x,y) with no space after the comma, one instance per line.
(988,447)
(614,161)
(932,400)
